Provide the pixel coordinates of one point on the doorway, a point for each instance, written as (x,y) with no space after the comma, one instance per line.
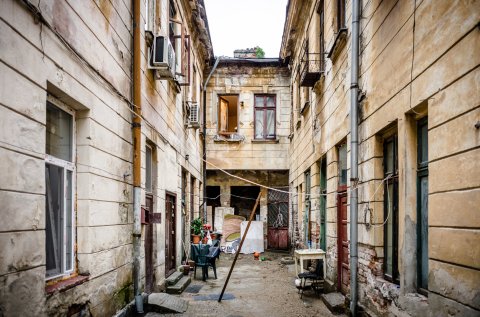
(342,243)
(170,233)
(243,200)
(227,114)
(277,219)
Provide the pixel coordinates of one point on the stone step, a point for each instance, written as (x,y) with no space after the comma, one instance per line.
(165,303)
(335,302)
(179,286)
(174,278)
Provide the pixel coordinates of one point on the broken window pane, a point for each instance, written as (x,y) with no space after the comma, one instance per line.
(59,133)
(54,227)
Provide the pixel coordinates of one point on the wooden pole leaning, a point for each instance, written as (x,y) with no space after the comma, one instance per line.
(240,247)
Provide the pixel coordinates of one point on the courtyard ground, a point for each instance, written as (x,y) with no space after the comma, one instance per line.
(256,288)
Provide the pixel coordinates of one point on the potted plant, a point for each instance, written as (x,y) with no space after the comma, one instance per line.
(196,229)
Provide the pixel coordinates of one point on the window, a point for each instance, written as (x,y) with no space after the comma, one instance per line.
(422,204)
(181,45)
(307,220)
(149,15)
(390,167)
(321,14)
(340,15)
(323,203)
(194,85)
(342,166)
(148,169)
(265,116)
(227,114)
(192,197)
(59,184)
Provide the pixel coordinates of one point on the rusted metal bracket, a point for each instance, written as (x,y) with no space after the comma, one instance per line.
(240,246)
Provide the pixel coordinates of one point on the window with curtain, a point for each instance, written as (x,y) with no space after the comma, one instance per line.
(59,185)
(265,116)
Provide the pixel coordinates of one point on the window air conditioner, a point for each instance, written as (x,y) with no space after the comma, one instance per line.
(194,117)
(161,58)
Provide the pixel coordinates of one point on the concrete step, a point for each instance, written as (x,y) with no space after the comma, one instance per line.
(174,278)
(179,286)
(335,302)
(165,303)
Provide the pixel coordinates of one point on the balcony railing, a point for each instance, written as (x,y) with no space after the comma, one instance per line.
(312,67)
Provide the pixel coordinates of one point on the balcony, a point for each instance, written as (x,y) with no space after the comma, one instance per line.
(311,69)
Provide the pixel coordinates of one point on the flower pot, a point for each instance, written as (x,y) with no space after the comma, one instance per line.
(192,264)
(186,269)
(195,239)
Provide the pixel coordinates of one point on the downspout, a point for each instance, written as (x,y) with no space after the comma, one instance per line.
(354,159)
(136,129)
(205,139)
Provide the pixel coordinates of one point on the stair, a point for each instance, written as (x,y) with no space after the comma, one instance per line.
(335,302)
(174,278)
(180,285)
(165,303)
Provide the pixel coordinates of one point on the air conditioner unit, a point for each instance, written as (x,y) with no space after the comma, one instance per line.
(194,115)
(161,58)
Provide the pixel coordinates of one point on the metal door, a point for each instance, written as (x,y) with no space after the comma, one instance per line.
(342,242)
(170,234)
(277,237)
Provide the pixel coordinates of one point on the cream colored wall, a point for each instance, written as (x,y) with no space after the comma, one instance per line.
(34,63)
(410,53)
(246,81)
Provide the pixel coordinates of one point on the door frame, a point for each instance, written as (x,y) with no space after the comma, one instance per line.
(168,236)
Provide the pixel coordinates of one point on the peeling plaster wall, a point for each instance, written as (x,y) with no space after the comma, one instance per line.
(34,63)
(246,81)
(416,58)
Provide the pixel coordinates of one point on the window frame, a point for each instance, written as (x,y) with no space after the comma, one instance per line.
(265,108)
(422,172)
(340,186)
(66,166)
(219,114)
(321,35)
(393,181)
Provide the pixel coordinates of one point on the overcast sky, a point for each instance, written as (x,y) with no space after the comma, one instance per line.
(239,24)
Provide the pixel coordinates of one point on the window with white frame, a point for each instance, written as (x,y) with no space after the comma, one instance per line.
(59,184)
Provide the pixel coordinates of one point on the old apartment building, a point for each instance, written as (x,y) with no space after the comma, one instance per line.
(68,241)
(247,124)
(118,126)
(418,149)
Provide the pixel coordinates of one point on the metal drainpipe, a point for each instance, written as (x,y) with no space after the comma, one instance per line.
(205,138)
(136,127)
(354,159)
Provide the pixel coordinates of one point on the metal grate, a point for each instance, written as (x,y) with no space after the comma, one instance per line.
(277,208)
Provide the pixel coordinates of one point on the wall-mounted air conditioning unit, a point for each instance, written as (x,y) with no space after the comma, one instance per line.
(161,58)
(194,115)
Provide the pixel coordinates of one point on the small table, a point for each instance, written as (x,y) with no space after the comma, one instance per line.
(310,254)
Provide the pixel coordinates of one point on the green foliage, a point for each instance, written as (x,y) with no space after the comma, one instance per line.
(260,53)
(197,226)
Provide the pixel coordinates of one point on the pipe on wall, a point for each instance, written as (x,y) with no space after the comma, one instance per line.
(136,131)
(354,159)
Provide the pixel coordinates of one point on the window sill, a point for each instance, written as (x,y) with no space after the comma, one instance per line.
(271,141)
(232,138)
(63,285)
(340,41)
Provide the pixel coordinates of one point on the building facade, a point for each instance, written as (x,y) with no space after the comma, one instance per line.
(247,124)
(67,150)
(419,164)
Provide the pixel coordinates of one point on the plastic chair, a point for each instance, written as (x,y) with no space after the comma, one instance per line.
(212,256)
(202,261)
(316,277)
